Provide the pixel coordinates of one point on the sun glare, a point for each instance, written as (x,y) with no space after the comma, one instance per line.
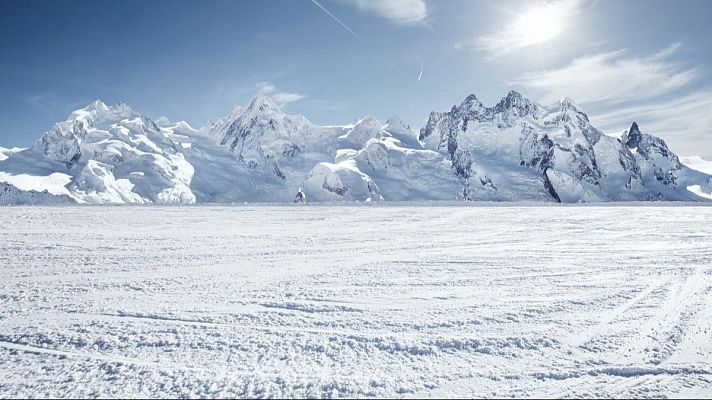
(540,24)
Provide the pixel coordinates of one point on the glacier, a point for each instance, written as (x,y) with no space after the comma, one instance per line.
(516,150)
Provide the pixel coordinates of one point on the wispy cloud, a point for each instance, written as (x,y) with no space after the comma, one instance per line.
(653,90)
(684,122)
(50,102)
(537,24)
(280,97)
(40,99)
(611,77)
(335,18)
(401,12)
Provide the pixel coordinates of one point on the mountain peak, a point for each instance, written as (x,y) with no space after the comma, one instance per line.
(470,102)
(471,99)
(98,110)
(513,94)
(368,121)
(395,123)
(101,107)
(515,100)
(364,129)
(97,105)
(566,102)
(634,136)
(262,103)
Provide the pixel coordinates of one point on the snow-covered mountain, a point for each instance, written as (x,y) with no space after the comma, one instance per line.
(515,150)
(520,149)
(103,154)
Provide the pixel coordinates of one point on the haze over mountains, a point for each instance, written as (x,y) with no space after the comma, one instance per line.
(516,150)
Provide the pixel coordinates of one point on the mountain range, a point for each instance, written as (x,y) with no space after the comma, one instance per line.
(516,150)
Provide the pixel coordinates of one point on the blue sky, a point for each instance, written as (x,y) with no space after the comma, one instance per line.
(337,60)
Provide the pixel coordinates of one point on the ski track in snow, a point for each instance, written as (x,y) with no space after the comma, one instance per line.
(339,301)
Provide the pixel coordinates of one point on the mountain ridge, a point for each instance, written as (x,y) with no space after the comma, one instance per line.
(515,150)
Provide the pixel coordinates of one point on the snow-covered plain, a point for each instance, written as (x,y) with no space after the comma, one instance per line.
(327,301)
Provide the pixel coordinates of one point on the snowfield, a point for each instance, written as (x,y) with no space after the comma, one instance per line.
(356,301)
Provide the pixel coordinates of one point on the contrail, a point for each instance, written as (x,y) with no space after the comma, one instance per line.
(400,71)
(336,19)
(420,76)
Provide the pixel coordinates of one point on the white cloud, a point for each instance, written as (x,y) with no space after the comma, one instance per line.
(266,88)
(52,104)
(39,99)
(684,122)
(286,97)
(611,78)
(280,97)
(402,12)
(538,24)
(650,90)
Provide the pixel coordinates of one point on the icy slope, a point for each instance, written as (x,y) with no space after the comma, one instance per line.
(221,177)
(699,164)
(516,150)
(401,168)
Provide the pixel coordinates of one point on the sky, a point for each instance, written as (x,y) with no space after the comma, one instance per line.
(335,61)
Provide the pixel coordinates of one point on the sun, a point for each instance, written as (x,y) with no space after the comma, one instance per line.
(534,25)
(539,24)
